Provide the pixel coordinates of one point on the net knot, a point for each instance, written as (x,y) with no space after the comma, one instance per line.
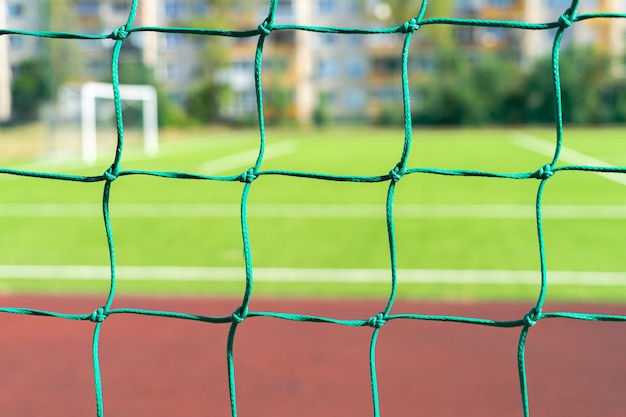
(544,172)
(396,174)
(239,315)
(248,176)
(533,316)
(119,34)
(110,174)
(566,19)
(410,26)
(265,28)
(377,322)
(98,316)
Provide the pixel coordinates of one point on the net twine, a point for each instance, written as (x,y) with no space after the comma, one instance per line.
(378,320)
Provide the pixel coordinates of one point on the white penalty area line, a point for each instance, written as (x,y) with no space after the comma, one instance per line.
(294,275)
(311,211)
(543,147)
(247,158)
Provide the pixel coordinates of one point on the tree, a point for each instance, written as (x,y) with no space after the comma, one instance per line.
(586,88)
(209,96)
(62,58)
(38,79)
(460,91)
(31,87)
(205,102)
(135,71)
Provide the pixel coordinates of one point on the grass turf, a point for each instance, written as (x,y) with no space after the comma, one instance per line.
(457,242)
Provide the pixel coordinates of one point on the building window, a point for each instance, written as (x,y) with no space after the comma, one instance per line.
(285,37)
(328,38)
(386,65)
(491,37)
(356,67)
(356,40)
(87,8)
(560,4)
(590,6)
(326,68)
(326,6)
(120,7)
(15,10)
(387,94)
(422,63)
(173,72)
(200,8)
(355,100)
(173,40)
(285,8)
(173,9)
(354,6)
(275,65)
(242,66)
(16,42)
(499,3)
(464,34)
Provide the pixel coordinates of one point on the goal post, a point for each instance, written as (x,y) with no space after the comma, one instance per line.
(91,91)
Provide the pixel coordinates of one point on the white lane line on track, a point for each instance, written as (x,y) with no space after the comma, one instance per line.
(543,147)
(323,211)
(187,273)
(247,158)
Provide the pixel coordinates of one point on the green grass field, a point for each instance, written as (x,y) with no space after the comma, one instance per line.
(442,223)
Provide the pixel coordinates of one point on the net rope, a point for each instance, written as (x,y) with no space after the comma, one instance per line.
(395,174)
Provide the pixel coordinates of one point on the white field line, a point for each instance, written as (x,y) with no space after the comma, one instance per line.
(535,144)
(208,274)
(322,211)
(247,158)
(73,162)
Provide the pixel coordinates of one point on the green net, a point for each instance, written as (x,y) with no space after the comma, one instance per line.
(264,30)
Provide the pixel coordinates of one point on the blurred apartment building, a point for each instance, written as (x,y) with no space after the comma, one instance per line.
(352,76)
(607,35)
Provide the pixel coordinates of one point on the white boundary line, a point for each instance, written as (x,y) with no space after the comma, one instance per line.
(73,162)
(543,147)
(323,211)
(209,274)
(247,158)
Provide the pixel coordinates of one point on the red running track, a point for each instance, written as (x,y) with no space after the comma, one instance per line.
(168,367)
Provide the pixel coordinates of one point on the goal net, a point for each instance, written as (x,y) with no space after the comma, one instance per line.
(375,321)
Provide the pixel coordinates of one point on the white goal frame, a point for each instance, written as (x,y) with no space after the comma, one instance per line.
(91,91)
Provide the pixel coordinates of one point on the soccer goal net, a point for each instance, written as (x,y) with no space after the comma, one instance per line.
(83,110)
(247,179)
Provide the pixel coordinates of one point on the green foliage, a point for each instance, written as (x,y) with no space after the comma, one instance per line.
(278,101)
(586,88)
(38,79)
(134,71)
(491,89)
(63,59)
(321,114)
(31,87)
(462,92)
(206,102)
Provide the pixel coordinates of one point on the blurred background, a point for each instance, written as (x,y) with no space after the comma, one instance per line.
(318,78)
